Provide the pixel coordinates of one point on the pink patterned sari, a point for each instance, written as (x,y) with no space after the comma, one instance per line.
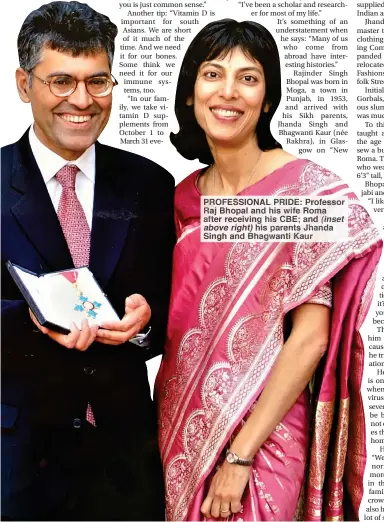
(229,310)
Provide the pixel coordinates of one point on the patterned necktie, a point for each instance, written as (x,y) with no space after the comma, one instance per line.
(72,217)
(75,228)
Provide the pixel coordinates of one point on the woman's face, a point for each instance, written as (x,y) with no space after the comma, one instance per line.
(228,98)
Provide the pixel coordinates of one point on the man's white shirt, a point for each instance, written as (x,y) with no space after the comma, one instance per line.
(50,163)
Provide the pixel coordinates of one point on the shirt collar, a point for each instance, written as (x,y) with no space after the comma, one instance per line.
(50,163)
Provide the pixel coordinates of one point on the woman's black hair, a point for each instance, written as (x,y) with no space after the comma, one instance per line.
(214,40)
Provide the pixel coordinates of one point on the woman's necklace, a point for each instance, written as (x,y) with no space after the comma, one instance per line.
(249,179)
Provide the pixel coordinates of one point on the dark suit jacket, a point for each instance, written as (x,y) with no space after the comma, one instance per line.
(45,387)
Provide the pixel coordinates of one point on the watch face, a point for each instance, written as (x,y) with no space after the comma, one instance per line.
(231,458)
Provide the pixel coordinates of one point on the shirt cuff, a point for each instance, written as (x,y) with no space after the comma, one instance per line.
(142,339)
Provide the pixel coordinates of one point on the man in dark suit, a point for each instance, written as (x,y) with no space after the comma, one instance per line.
(78,424)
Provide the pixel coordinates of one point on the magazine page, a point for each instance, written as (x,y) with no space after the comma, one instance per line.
(331,112)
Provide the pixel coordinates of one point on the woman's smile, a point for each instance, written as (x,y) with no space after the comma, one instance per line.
(226,113)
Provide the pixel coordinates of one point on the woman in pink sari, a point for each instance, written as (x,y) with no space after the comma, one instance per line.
(241,436)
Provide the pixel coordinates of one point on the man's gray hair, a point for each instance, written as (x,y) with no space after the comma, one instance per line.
(69,27)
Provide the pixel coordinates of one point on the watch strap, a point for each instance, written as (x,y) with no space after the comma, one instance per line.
(235,459)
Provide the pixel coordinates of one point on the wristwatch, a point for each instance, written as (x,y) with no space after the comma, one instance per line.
(232,458)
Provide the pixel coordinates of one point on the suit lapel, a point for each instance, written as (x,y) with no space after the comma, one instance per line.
(34,210)
(114,208)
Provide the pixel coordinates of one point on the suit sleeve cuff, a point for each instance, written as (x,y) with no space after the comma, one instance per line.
(142,339)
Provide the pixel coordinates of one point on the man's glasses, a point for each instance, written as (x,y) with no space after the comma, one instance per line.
(62,86)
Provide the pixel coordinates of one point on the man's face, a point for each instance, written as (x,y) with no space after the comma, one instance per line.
(69,125)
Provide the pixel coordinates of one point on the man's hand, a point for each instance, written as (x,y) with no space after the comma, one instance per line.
(137,315)
(78,339)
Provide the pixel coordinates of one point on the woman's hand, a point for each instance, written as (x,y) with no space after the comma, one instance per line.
(227,488)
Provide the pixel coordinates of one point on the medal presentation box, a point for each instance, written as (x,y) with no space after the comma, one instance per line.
(59,299)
